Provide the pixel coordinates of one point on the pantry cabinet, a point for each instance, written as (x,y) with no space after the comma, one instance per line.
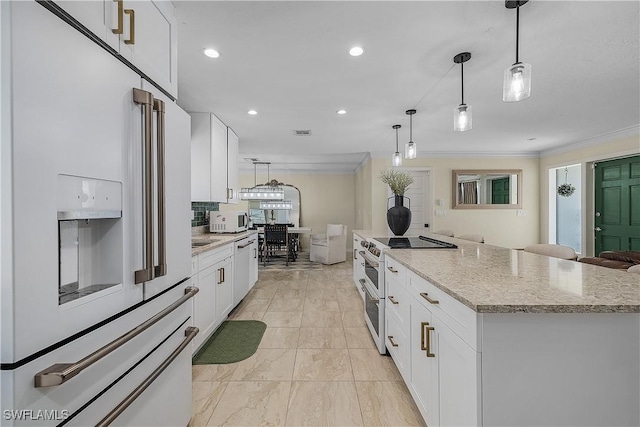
(143,32)
(214,160)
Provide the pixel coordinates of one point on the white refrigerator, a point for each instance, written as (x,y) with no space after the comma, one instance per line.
(94,231)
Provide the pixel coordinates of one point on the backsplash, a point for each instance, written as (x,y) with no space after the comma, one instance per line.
(199,212)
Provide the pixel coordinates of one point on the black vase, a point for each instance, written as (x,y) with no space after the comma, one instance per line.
(399,217)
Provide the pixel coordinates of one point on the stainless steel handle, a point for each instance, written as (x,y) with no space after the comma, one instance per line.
(120,28)
(132,26)
(244,246)
(62,372)
(393,343)
(392,299)
(391,269)
(219,276)
(426,296)
(428,346)
(161,268)
(373,300)
(146,100)
(190,334)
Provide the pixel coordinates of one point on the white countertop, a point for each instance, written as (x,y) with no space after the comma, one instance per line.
(491,279)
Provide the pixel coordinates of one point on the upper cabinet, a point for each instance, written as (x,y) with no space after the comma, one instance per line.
(143,32)
(214,160)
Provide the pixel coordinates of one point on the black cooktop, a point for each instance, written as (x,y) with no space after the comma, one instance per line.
(420,242)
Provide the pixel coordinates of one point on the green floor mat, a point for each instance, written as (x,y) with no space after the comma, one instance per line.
(235,340)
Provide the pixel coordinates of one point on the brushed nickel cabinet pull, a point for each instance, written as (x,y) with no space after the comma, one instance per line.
(62,372)
(132,26)
(426,296)
(190,334)
(161,268)
(393,343)
(222,274)
(391,269)
(422,337)
(120,28)
(393,300)
(145,99)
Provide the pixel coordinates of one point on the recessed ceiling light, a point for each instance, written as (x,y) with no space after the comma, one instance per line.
(212,53)
(356,51)
(252,112)
(341,111)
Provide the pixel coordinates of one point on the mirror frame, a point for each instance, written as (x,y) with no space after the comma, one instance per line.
(276,183)
(454,188)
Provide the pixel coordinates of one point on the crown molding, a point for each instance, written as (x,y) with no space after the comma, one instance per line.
(364,161)
(605,137)
(442,154)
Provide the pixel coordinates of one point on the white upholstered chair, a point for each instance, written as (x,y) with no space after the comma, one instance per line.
(330,247)
(472,237)
(445,233)
(554,251)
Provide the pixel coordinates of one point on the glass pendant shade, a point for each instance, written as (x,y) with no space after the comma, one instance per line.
(517,82)
(462,118)
(396,160)
(410,151)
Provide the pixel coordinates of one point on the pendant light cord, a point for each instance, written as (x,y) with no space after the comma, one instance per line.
(517,32)
(462,80)
(397,140)
(410,128)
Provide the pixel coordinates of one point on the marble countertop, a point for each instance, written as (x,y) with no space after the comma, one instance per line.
(214,240)
(492,279)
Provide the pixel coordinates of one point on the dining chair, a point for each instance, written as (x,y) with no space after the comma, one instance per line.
(472,237)
(552,250)
(329,247)
(276,237)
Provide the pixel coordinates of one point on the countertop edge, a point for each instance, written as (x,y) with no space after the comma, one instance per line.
(223,239)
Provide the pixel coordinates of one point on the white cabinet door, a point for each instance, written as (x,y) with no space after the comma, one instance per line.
(241,279)
(424,365)
(150,39)
(200,157)
(96,16)
(205,314)
(218,161)
(457,377)
(232,167)
(224,289)
(253,263)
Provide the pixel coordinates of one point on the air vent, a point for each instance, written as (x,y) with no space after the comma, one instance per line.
(302,132)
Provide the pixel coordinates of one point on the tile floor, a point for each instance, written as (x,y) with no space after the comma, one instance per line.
(316,365)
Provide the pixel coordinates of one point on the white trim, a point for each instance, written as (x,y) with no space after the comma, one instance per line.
(600,158)
(441,154)
(599,139)
(364,161)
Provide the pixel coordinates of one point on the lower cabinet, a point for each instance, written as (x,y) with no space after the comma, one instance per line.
(253,264)
(224,289)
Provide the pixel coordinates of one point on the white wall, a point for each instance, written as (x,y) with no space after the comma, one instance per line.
(585,156)
(324,199)
(498,226)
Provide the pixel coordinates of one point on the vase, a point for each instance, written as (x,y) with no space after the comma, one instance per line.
(399,217)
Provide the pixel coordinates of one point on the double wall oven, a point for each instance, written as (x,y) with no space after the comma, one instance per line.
(374,294)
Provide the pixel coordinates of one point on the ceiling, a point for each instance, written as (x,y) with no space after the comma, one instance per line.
(289,61)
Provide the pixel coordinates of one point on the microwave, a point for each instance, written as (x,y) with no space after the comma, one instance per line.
(228,222)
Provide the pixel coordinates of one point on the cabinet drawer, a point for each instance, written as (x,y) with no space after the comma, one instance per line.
(394,270)
(207,259)
(397,304)
(398,347)
(458,317)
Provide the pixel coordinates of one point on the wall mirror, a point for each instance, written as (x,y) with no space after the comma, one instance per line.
(487,189)
(259,216)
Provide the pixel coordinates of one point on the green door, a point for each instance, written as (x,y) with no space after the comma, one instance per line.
(617,203)
(500,191)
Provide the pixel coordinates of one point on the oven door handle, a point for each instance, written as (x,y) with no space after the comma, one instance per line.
(373,300)
(372,263)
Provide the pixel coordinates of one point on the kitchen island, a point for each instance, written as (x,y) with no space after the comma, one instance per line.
(484,335)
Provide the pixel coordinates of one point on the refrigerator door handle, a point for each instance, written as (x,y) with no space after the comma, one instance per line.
(189,333)
(146,100)
(161,268)
(60,373)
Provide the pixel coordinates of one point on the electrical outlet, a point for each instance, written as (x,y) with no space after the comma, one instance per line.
(521,212)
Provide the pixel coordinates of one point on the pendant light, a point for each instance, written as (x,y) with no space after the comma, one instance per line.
(517,78)
(462,113)
(261,192)
(396,160)
(410,150)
